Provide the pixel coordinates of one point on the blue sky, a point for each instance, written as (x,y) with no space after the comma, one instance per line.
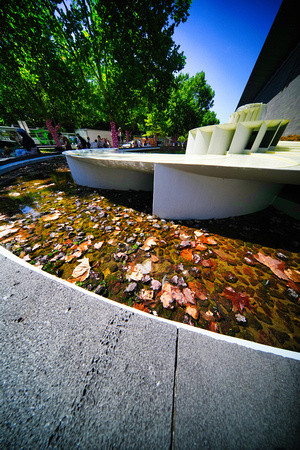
(224,38)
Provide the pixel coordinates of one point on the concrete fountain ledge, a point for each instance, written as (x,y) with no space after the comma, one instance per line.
(228,170)
(192,186)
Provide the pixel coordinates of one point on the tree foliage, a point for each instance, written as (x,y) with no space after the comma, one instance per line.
(88,57)
(189,106)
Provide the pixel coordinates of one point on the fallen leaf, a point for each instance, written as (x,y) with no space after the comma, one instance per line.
(275,265)
(82,271)
(201,247)
(187,254)
(145,267)
(133,273)
(189,296)
(166,297)
(77,254)
(8,231)
(85,245)
(155,285)
(198,233)
(154,258)
(293,275)
(149,242)
(145,295)
(213,326)
(193,311)
(208,240)
(198,289)
(98,245)
(208,315)
(184,236)
(223,255)
(140,307)
(239,300)
(51,217)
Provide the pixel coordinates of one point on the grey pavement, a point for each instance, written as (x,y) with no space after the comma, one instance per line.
(79,371)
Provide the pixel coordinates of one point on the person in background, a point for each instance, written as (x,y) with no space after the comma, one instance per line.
(27,142)
(88,142)
(99,142)
(94,144)
(66,143)
(81,143)
(106,143)
(120,137)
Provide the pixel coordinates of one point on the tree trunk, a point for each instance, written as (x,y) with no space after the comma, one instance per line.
(127,136)
(53,131)
(114,135)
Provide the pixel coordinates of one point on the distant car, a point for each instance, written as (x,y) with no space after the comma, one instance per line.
(129,144)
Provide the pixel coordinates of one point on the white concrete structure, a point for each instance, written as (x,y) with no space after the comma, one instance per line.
(230,169)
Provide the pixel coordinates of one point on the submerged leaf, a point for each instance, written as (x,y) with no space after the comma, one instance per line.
(82,271)
(275,265)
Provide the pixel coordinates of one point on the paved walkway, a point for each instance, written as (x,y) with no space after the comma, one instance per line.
(79,371)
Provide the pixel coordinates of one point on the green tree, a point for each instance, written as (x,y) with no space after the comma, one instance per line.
(189,105)
(126,50)
(37,77)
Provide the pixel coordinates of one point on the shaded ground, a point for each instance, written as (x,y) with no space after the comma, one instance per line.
(237,276)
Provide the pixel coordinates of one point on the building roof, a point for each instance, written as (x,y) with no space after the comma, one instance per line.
(283,38)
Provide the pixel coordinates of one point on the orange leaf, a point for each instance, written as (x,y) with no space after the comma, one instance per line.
(141,307)
(293,275)
(208,240)
(200,246)
(84,245)
(192,310)
(187,254)
(275,265)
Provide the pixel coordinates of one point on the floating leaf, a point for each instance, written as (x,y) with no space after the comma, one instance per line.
(187,254)
(141,307)
(223,255)
(8,230)
(145,295)
(145,267)
(293,275)
(193,311)
(82,271)
(98,245)
(208,240)
(213,326)
(155,285)
(275,265)
(85,245)
(51,217)
(166,297)
(239,300)
(189,296)
(149,242)
(201,247)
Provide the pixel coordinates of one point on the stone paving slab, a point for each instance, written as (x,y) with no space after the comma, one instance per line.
(79,371)
(232,397)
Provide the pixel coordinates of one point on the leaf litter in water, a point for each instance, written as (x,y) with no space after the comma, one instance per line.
(216,270)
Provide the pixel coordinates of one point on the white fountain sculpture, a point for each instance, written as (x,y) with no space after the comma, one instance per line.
(228,169)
